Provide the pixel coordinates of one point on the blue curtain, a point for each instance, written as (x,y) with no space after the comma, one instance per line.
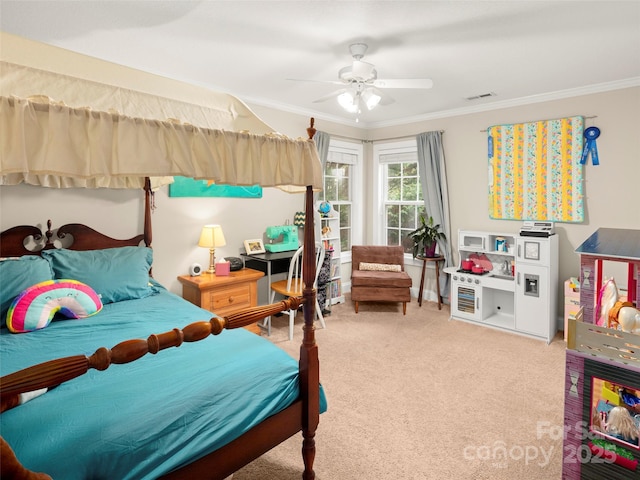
(433,177)
(322,140)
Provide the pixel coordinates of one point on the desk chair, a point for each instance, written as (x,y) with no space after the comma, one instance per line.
(293,285)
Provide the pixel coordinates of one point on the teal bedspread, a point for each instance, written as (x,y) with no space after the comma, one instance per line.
(145,418)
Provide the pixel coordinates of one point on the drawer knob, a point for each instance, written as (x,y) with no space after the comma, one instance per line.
(230,299)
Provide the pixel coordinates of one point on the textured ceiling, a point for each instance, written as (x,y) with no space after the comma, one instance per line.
(522,51)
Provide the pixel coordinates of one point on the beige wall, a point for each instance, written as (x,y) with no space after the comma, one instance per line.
(176,221)
(611,188)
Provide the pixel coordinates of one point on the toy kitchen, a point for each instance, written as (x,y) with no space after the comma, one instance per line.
(508,281)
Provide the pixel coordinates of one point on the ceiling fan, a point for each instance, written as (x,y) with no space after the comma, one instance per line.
(362,85)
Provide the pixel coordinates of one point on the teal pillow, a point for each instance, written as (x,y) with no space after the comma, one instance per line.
(115,274)
(19,273)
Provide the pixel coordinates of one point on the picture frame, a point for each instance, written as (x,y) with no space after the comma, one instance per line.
(253,247)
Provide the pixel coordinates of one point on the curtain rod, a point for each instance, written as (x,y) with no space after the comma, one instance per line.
(586,118)
(406,137)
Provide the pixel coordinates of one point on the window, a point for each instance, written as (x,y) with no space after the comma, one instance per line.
(342,185)
(400,199)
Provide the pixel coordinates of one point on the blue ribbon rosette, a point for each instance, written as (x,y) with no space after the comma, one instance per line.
(590,136)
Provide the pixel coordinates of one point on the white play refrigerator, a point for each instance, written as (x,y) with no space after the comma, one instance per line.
(536,277)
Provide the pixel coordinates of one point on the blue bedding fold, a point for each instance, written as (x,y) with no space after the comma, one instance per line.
(145,418)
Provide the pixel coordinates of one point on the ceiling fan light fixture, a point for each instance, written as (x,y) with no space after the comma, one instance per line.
(348,101)
(371,99)
(361,86)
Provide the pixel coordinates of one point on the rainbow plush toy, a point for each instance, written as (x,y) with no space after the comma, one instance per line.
(36,306)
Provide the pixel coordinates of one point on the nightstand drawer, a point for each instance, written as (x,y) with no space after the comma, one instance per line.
(225,294)
(230,299)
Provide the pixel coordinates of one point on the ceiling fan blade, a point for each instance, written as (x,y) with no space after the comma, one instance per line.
(329,96)
(331,82)
(403,83)
(385,98)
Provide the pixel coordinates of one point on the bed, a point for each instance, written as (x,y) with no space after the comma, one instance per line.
(115,387)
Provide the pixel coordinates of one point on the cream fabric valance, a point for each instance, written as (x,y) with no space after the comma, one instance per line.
(113,137)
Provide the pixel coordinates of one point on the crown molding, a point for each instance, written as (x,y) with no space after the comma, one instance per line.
(496,105)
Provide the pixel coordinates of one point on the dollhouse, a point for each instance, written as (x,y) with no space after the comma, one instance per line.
(602,376)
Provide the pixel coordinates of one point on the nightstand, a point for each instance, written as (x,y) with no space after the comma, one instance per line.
(223,295)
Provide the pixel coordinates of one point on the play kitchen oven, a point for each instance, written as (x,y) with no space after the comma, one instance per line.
(504,280)
(482,286)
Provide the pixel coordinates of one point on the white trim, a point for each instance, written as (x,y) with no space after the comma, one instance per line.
(380,149)
(357,149)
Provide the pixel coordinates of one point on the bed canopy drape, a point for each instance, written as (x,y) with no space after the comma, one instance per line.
(64,131)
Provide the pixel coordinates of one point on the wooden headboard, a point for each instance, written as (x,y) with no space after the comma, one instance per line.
(74,236)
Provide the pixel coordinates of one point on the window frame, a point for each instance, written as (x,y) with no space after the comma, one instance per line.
(379,218)
(356,188)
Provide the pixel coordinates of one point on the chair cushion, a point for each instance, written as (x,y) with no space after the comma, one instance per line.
(364,278)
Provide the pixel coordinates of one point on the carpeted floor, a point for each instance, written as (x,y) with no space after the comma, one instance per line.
(424,397)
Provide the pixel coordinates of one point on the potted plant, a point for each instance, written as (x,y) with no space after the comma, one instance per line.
(425,237)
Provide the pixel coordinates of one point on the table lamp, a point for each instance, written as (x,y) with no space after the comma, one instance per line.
(212,237)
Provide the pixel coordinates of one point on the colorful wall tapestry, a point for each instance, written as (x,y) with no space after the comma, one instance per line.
(535,171)
(188,187)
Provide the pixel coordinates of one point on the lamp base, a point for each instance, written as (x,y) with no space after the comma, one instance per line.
(212,261)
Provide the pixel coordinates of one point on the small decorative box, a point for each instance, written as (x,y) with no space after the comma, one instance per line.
(223,268)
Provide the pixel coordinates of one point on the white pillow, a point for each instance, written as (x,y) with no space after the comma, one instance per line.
(380,267)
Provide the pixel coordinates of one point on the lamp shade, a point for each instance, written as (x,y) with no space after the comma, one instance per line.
(212,237)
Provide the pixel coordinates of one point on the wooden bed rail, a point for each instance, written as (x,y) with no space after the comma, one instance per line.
(54,372)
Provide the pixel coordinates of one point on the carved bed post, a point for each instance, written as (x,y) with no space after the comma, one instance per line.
(309,364)
(148,194)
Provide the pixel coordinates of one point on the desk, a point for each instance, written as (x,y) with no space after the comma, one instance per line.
(269,263)
(437,261)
